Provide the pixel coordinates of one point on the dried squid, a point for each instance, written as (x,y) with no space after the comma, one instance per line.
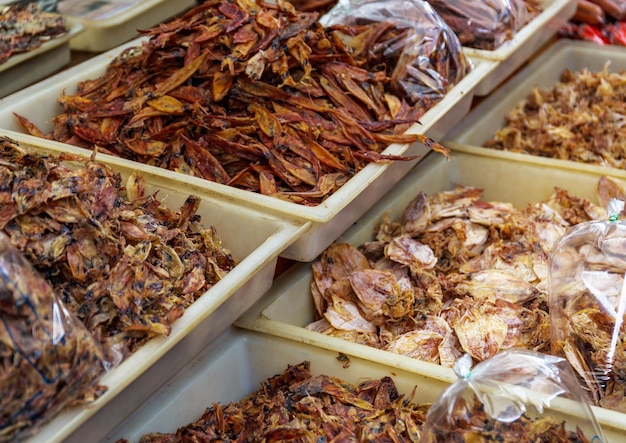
(454,275)
(254,95)
(475,425)
(297,406)
(24,28)
(48,359)
(580,118)
(484,24)
(122,262)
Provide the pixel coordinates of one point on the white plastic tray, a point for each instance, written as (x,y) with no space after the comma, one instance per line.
(343,208)
(488,117)
(256,250)
(288,306)
(26,68)
(236,364)
(109,23)
(517,51)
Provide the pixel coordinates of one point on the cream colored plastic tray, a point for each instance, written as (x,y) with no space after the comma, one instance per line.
(330,218)
(488,117)
(526,43)
(288,307)
(236,364)
(255,240)
(109,23)
(26,68)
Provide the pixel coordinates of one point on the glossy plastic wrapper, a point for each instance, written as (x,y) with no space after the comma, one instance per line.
(587,305)
(48,359)
(515,393)
(482,24)
(424,57)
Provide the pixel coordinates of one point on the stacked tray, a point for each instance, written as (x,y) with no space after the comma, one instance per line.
(238,362)
(329,219)
(257,254)
(288,306)
(198,353)
(26,68)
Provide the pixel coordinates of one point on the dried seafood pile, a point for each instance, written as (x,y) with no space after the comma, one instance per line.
(580,118)
(297,406)
(122,262)
(523,430)
(26,27)
(454,275)
(47,357)
(483,24)
(253,95)
(321,6)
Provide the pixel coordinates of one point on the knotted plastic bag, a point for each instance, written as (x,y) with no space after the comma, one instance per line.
(515,393)
(405,38)
(48,359)
(587,302)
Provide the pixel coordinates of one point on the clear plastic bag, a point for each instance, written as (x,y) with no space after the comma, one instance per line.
(47,357)
(418,51)
(515,393)
(587,302)
(483,24)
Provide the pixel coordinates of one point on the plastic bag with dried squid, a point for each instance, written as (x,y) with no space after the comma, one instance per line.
(421,54)
(515,394)
(587,301)
(48,359)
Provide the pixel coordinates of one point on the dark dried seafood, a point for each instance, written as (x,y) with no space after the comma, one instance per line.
(297,406)
(47,357)
(320,6)
(454,275)
(122,262)
(475,425)
(253,95)
(483,24)
(26,27)
(580,118)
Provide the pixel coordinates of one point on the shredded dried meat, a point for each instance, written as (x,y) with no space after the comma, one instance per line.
(125,264)
(581,118)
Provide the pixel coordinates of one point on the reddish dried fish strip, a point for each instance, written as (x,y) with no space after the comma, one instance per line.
(179,100)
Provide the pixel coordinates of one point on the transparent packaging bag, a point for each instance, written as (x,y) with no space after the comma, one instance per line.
(517,395)
(587,302)
(405,38)
(48,359)
(484,24)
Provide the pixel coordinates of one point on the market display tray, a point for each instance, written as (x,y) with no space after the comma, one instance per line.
(514,53)
(110,23)
(26,68)
(288,306)
(256,251)
(236,364)
(343,208)
(488,117)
